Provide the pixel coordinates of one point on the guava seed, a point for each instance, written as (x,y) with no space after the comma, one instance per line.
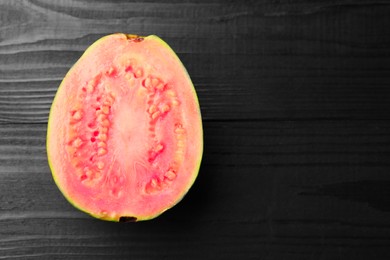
(165,108)
(102,137)
(77,115)
(77,142)
(155,115)
(102,151)
(139,73)
(102,144)
(153,183)
(100,165)
(170,174)
(105,110)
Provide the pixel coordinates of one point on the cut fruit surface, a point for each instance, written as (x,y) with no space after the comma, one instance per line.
(125,137)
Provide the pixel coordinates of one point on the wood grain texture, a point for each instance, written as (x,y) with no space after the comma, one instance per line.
(295,102)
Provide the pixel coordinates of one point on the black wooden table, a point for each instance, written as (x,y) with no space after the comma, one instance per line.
(295,103)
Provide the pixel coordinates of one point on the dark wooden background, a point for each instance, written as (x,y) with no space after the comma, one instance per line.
(295,103)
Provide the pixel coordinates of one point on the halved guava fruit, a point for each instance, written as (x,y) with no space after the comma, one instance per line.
(125,138)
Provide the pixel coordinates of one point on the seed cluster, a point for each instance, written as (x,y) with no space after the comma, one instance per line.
(161,100)
(91,141)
